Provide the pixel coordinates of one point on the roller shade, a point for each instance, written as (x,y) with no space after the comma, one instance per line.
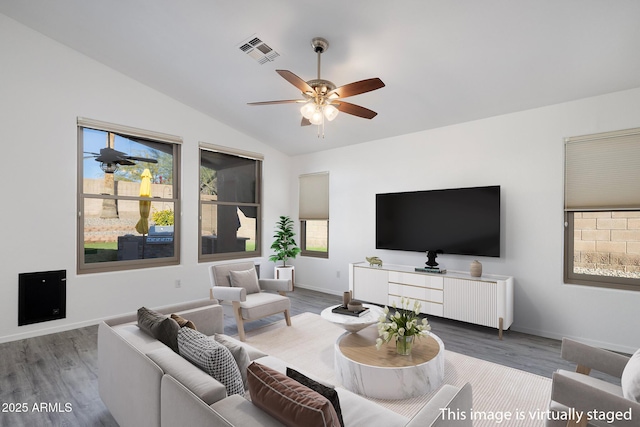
(602,171)
(314,196)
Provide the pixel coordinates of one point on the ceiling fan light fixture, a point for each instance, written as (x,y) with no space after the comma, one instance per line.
(330,112)
(317,117)
(109,167)
(308,109)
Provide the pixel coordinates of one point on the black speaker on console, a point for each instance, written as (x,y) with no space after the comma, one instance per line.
(42,296)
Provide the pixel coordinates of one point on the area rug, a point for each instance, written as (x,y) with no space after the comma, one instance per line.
(501,395)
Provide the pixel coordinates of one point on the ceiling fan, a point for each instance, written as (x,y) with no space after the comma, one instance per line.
(110,158)
(321,98)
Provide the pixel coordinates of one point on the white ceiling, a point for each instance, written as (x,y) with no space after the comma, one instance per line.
(443,62)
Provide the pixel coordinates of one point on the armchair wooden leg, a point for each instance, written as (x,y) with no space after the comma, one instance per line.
(575,423)
(287,317)
(237,312)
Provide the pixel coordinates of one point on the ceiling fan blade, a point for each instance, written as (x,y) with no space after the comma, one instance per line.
(141,159)
(305,122)
(355,110)
(295,80)
(356,88)
(284,101)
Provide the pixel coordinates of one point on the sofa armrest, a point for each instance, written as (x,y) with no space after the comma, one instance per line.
(124,371)
(594,358)
(228,293)
(280,285)
(587,398)
(450,407)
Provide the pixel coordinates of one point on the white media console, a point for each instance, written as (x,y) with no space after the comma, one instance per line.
(485,300)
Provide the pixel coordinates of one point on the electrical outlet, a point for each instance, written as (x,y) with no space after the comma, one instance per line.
(338,274)
(178,283)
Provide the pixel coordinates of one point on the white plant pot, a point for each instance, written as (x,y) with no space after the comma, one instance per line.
(286,273)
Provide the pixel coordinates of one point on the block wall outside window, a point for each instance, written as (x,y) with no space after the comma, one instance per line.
(607,243)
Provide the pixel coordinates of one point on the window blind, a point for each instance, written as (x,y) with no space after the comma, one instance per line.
(314,196)
(602,171)
(127,130)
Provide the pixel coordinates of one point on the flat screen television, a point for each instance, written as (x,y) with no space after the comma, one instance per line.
(463,221)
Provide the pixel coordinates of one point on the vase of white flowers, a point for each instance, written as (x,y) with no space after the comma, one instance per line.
(403,326)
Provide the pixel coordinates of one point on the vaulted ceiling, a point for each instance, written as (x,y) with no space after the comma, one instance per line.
(443,62)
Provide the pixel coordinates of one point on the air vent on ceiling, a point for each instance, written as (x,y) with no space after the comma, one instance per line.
(258,50)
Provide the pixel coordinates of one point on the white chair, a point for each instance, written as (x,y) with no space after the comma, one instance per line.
(579,393)
(237,285)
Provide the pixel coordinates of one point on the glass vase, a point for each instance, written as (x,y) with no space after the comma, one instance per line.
(404,345)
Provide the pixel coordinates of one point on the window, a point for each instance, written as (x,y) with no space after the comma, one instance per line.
(602,210)
(128,185)
(314,214)
(230,211)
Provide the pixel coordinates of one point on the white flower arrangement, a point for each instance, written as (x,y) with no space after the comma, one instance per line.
(403,323)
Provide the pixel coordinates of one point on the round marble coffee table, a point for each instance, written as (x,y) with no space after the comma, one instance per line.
(384,374)
(353,323)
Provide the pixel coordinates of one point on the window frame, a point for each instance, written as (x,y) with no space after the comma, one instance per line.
(572,278)
(571,208)
(303,241)
(258,158)
(315,208)
(175,142)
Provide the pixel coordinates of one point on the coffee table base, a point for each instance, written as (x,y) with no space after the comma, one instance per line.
(384,382)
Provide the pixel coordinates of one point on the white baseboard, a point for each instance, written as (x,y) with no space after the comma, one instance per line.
(51,330)
(323,290)
(594,343)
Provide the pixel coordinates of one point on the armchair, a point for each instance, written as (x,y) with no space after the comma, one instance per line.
(580,394)
(237,285)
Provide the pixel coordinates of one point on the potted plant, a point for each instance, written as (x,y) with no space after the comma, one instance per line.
(285,248)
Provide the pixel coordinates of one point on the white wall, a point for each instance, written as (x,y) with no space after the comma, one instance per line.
(521,152)
(44,87)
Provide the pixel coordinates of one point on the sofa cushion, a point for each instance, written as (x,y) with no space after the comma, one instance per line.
(630,380)
(239,353)
(247,279)
(328,392)
(182,322)
(161,327)
(288,401)
(213,358)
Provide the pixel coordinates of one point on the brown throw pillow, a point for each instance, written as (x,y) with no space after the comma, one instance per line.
(159,326)
(182,322)
(288,401)
(330,393)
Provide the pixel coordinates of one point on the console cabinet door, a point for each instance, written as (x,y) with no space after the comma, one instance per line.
(370,285)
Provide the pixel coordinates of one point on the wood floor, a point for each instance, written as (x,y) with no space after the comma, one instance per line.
(53,380)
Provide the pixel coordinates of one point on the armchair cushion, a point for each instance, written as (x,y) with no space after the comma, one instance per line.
(630,380)
(263,304)
(247,279)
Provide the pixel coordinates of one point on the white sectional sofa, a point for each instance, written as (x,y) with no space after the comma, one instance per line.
(143,382)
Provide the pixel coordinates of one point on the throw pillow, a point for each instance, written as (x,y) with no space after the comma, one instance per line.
(247,279)
(330,393)
(182,322)
(161,327)
(213,358)
(288,401)
(630,380)
(239,353)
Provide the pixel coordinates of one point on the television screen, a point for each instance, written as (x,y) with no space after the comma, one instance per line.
(463,221)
